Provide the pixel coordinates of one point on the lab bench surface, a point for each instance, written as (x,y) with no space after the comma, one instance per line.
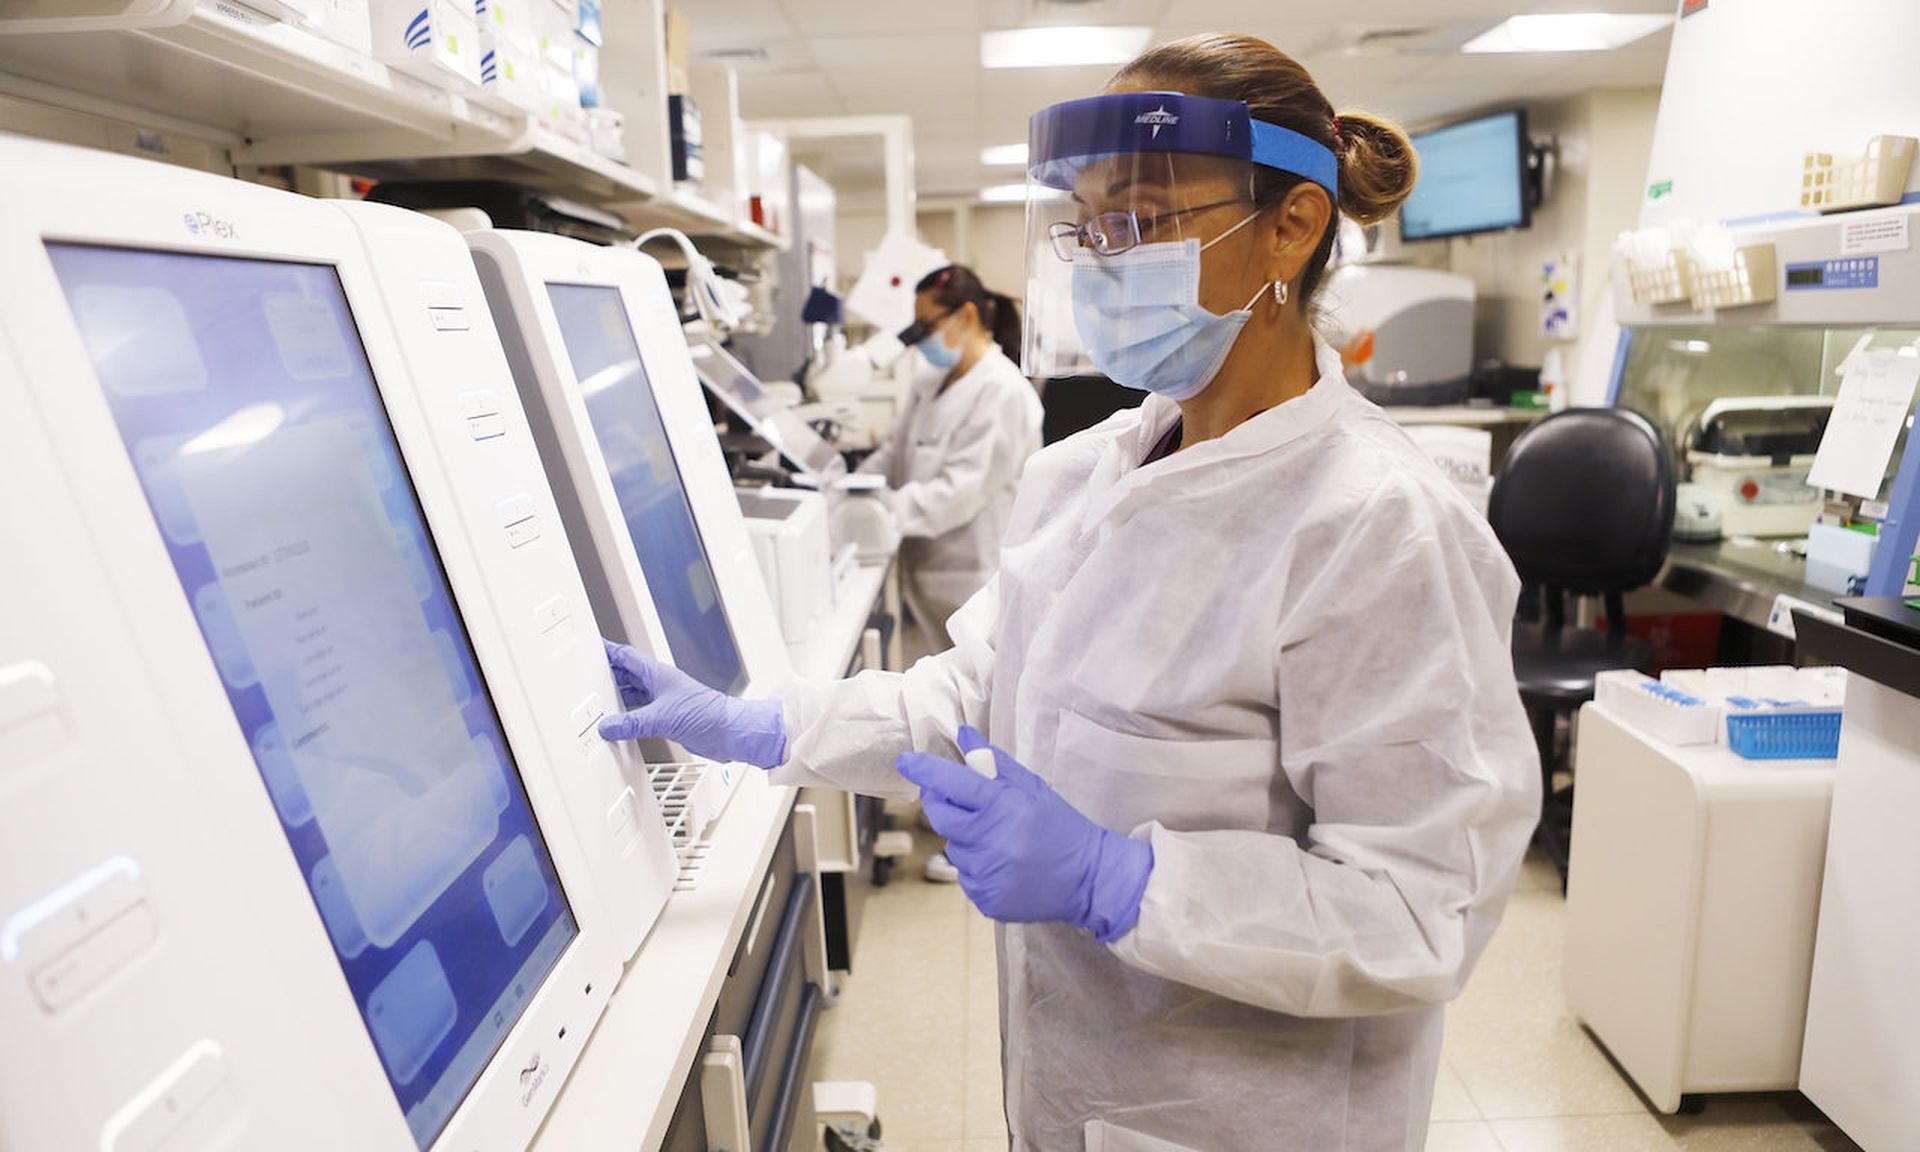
(1464,415)
(1744,581)
(1504,425)
(838,637)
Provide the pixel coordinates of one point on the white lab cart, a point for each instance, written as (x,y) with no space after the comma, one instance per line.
(1693,894)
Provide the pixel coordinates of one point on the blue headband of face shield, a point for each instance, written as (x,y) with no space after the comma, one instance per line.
(1067,137)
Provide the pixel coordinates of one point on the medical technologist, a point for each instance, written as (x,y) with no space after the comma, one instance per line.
(1260,781)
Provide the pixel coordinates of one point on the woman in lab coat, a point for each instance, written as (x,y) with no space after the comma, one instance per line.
(955,454)
(1259,780)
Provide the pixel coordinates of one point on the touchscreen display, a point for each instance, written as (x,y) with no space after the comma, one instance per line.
(245,400)
(646,480)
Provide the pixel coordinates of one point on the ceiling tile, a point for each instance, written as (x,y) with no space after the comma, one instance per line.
(920,58)
(735,23)
(851,17)
(908,60)
(763,57)
(785,95)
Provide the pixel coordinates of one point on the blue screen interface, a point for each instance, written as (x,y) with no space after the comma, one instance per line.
(244,397)
(1471,179)
(646,480)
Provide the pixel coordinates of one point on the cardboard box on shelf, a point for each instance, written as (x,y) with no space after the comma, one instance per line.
(436,40)
(561,108)
(348,24)
(510,20)
(586,71)
(684,139)
(553,29)
(510,70)
(677,32)
(607,129)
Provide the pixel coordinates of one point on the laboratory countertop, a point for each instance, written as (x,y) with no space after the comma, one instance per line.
(1740,577)
(1880,639)
(838,635)
(623,1092)
(1463,415)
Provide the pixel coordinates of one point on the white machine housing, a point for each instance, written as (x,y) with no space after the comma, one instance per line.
(145,866)
(1763,495)
(855,514)
(789,530)
(516,269)
(1420,321)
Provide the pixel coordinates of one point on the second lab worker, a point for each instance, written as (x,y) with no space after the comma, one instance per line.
(956,451)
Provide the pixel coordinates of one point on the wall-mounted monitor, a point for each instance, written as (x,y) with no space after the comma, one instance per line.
(1474,177)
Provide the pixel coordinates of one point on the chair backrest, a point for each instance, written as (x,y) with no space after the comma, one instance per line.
(1584,501)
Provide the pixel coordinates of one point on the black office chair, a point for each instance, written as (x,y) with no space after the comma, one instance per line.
(1584,506)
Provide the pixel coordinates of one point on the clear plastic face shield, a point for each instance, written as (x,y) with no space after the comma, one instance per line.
(1128,194)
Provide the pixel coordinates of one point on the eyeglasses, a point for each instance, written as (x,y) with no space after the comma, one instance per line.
(918,330)
(1111,233)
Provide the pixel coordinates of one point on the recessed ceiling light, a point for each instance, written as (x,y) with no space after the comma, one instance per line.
(1003,194)
(1061,47)
(1004,154)
(1566,32)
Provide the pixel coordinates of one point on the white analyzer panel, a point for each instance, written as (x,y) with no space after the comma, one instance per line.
(790,539)
(603,369)
(293,855)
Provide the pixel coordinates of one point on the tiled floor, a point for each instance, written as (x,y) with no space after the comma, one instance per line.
(918,1019)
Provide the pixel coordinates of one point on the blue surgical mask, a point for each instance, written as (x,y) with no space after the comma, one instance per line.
(1139,316)
(937,351)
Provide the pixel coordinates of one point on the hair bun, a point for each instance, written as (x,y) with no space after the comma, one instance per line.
(1377,165)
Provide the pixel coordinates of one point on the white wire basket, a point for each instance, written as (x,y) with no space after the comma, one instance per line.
(1751,280)
(1667,283)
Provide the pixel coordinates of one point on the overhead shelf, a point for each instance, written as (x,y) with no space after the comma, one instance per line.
(272,93)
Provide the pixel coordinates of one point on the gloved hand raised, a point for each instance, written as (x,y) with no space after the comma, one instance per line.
(671,705)
(1024,854)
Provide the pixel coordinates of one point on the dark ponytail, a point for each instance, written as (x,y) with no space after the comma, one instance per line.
(1005,325)
(957,285)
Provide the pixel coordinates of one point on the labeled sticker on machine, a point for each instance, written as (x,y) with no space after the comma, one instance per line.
(1875,234)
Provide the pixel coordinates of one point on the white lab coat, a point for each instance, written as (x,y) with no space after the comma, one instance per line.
(952,464)
(1281,656)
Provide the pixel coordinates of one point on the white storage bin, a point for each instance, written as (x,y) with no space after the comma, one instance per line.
(1662,711)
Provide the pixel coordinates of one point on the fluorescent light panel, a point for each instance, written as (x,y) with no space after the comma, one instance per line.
(1000,154)
(1566,32)
(1061,47)
(1003,194)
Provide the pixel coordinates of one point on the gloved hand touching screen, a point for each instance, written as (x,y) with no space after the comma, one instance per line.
(666,703)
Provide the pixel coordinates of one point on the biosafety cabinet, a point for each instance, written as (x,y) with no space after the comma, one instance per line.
(307,839)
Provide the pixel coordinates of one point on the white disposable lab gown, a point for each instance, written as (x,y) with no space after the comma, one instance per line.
(952,464)
(1282,657)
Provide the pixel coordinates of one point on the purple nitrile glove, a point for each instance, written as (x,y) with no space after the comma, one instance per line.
(1025,855)
(671,705)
